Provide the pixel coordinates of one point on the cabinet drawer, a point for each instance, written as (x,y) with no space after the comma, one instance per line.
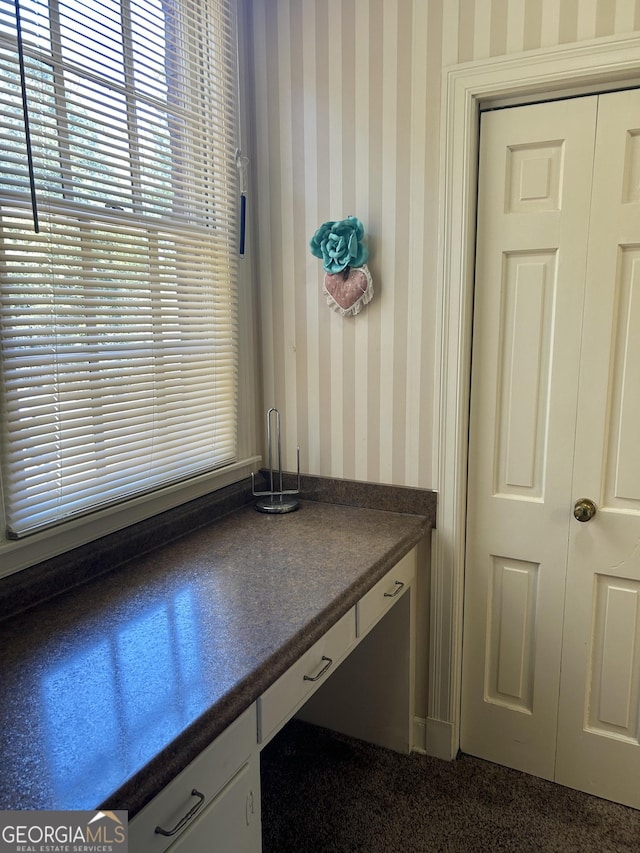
(385,593)
(231,822)
(208,774)
(280,701)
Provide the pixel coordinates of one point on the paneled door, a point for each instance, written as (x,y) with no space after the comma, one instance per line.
(551,660)
(599,721)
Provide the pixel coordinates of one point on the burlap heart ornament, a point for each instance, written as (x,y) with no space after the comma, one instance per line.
(347,283)
(349,291)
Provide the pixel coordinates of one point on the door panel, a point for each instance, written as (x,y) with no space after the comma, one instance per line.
(599,719)
(622,478)
(612,688)
(511,619)
(525,329)
(533,208)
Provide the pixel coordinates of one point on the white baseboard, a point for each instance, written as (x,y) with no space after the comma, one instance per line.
(419,735)
(440,739)
(434,737)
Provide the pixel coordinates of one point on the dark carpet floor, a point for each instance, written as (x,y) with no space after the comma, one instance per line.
(325,793)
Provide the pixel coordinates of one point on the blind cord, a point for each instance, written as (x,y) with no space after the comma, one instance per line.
(25,112)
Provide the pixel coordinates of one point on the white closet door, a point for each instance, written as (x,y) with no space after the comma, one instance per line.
(551,674)
(599,721)
(533,216)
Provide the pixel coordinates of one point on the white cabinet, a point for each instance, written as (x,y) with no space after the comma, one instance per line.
(218,794)
(214,803)
(231,821)
(375,603)
(371,697)
(280,701)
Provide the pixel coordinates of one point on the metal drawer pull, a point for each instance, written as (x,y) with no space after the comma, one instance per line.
(322,671)
(160,831)
(397,590)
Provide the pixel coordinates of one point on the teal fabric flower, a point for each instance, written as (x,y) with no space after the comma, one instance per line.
(339,244)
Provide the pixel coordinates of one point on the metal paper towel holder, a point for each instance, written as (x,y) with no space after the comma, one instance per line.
(276,500)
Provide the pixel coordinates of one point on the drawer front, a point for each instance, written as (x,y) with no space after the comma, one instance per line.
(385,593)
(280,701)
(208,774)
(231,822)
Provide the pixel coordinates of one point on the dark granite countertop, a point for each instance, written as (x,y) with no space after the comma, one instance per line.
(110,688)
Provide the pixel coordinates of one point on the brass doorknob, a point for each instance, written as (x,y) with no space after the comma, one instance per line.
(584,509)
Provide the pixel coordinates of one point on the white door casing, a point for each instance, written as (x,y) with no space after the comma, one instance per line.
(533,223)
(593,67)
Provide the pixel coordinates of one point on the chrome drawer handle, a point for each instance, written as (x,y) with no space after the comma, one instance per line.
(184,820)
(397,590)
(328,663)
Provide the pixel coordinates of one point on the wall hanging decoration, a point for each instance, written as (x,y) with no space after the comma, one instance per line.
(347,283)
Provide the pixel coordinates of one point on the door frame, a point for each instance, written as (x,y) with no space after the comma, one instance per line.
(584,68)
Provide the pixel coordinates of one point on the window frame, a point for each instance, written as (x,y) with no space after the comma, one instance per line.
(16,555)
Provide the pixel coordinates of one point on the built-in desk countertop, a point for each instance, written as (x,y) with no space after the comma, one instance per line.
(110,688)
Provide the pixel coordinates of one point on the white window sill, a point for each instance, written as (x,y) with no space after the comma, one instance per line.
(20,554)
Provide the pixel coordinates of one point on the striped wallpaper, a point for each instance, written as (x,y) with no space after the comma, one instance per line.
(347,110)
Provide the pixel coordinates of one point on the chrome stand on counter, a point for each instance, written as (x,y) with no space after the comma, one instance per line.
(276,500)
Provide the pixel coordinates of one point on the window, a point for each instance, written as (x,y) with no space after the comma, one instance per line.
(118,254)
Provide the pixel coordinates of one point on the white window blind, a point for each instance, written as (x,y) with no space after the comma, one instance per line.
(118,318)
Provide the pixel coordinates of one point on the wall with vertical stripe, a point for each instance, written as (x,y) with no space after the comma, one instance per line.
(347,110)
